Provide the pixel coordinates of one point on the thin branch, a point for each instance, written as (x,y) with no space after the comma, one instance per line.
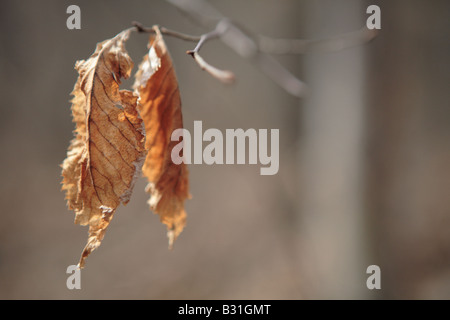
(255,48)
(223,75)
(139,27)
(179,35)
(204,38)
(243,43)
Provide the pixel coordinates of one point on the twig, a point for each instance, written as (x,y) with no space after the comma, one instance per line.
(140,28)
(258,48)
(223,75)
(243,43)
(179,35)
(255,48)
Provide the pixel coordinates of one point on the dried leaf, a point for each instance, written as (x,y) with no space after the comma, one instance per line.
(160,108)
(108,150)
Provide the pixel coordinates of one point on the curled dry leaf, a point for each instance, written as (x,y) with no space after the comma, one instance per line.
(160,108)
(107,152)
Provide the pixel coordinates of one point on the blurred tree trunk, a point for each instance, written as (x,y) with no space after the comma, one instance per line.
(375,161)
(331,159)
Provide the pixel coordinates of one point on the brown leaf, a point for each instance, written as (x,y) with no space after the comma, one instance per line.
(107,152)
(160,108)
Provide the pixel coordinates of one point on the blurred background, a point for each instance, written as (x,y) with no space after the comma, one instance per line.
(364,172)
